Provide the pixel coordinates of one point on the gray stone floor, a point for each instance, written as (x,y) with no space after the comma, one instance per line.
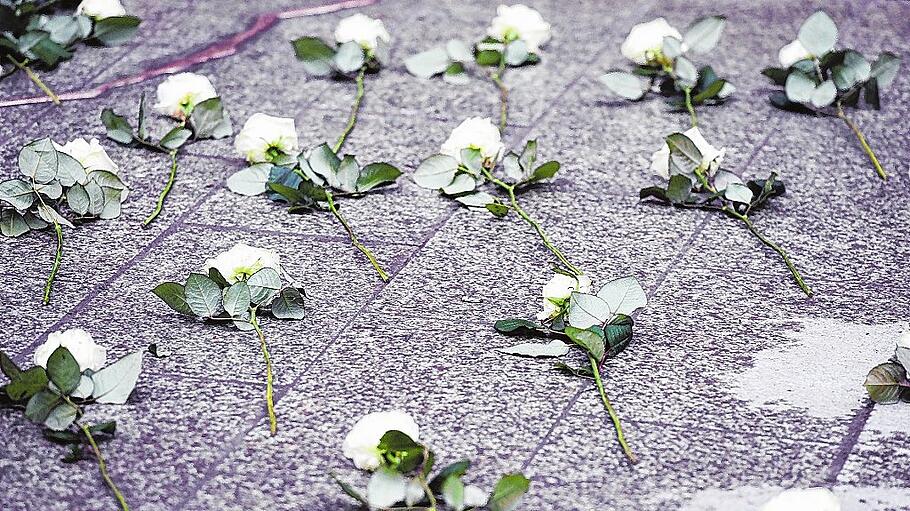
(736,385)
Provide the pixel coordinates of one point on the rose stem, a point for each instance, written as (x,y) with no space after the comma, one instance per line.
(35,78)
(102,466)
(270,404)
(354,109)
(799,280)
(167,189)
(692,117)
(510,189)
(615,418)
(503,91)
(360,246)
(56,266)
(862,141)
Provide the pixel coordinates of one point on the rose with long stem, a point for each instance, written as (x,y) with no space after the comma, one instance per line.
(496,76)
(33,76)
(269,393)
(862,140)
(595,368)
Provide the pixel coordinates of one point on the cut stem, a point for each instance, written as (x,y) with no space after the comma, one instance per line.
(102,467)
(510,189)
(692,117)
(613,416)
(503,92)
(352,121)
(269,394)
(167,189)
(783,254)
(360,246)
(862,141)
(426,489)
(35,78)
(57,258)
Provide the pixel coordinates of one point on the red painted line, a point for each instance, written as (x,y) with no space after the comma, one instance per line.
(218,50)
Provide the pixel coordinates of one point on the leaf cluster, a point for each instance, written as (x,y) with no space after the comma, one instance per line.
(463,180)
(210,297)
(406,477)
(830,75)
(33,31)
(51,179)
(329,59)
(450,61)
(887,383)
(670,72)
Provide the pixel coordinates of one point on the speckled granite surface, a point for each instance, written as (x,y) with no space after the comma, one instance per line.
(736,385)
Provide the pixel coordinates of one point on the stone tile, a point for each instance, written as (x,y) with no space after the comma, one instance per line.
(882,439)
(25,318)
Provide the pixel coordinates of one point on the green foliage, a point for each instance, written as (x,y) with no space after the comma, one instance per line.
(320,58)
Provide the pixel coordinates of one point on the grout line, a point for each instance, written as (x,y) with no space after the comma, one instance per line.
(857,425)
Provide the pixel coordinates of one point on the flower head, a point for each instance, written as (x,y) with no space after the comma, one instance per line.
(520,22)
(558,290)
(180,93)
(362,443)
(475,133)
(800,499)
(90,154)
(362,29)
(792,53)
(240,262)
(711,156)
(264,137)
(81,346)
(645,42)
(100,9)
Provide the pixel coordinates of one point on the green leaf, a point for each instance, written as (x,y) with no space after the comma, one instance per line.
(236,299)
(324,162)
(591,341)
(209,120)
(349,58)
(17,193)
(481,200)
(818,34)
(704,33)
(884,69)
(618,334)
(508,492)
(427,64)
(625,84)
(203,296)
(115,383)
(455,74)
(27,384)
(118,128)
(116,29)
(516,53)
(776,74)
(488,57)
(453,492)
(175,138)
(436,171)
(545,171)
(883,383)
(250,181)
(173,295)
(264,285)
(653,191)
(498,210)
(63,370)
(686,72)
(624,295)
(710,92)
(38,161)
(737,192)
(459,51)
(554,348)
(679,189)
(12,223)
(317,56)
(376,174)
(682,145)
(799,87)
(824,94)
(62,437)
(345,177)
(40,405)
(672,47)
(289,304)
(519,327)
(587,310)
(8,367)
(61,417)
(459,469)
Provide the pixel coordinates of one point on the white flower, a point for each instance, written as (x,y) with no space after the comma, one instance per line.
(362,443)
(242,261)
(475,133)
(264,136)
(100,9)
(80,345)
(474,496)
(519,21)
(904,340)
(363,30)
(711,156)
(799,499)
(90,154)
(558,290)
(645,40)
(180,93)
(792,53)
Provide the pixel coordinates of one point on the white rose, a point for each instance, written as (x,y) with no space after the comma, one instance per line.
(90,154)
(362,443)
(798,499)
(80,345)
(180,93)
(792,53)
(475,133)
(263,135)
(242,261)
(363,30)
(520,22)
(646,39)
(711,156)
(558,290)
(100,9)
